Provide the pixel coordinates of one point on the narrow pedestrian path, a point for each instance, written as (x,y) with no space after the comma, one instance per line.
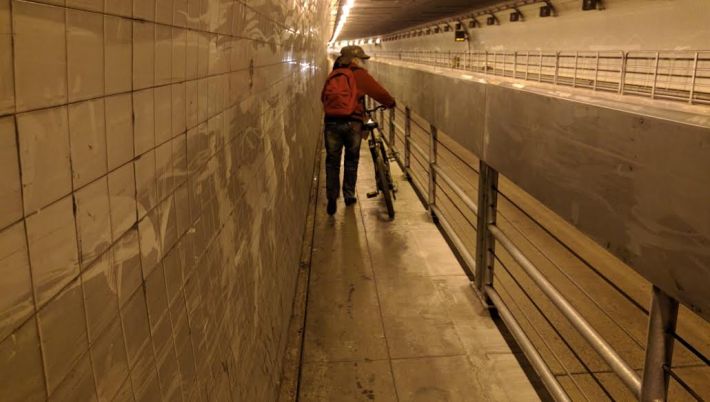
(391,315)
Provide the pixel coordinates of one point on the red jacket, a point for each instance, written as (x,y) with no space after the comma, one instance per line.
(366,85)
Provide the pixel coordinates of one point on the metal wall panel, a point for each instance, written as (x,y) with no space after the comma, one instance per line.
(636,182)
(436,98)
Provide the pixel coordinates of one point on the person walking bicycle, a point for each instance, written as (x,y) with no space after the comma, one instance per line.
(343,98)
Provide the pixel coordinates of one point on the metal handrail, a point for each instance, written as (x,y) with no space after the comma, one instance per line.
(671,75)
(458,243)
(627,375)
(457,190)
(546,375)
(479,269)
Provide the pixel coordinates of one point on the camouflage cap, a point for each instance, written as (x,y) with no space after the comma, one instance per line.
(350,52)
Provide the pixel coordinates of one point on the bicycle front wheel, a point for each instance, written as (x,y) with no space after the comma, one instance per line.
(385,186)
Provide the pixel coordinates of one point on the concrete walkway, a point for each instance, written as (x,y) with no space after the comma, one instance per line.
(391,315)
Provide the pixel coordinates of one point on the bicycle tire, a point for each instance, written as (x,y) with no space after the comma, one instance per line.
(385,187)
(388,170)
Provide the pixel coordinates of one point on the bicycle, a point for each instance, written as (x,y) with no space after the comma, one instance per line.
(380,159)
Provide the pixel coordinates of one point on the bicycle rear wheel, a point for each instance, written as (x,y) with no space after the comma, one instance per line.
(385,185)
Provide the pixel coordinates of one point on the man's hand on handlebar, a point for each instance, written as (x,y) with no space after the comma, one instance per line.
(381,107)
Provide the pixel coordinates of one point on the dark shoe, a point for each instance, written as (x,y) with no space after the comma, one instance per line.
(332,207)
(350,201)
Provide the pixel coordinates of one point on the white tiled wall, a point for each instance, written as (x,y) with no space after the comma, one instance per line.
(155,164)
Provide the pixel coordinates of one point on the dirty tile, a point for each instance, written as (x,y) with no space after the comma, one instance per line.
(93,221)
(100,296)
(21,373)
(87,134)
(168,221)
(191,112)
(44,156)
(191,54)
(172,265)
(10,185)
(202,99)
(163,114)
(144,9)
(163,54)
(164,169)
(118,48)
(144,121)
(120,7)
(509,381)
(438,379)
(347,381)
(122,198)
(85,51)
(437,254)
(125,393)
(179,109)
(143,372)
(180,13)
(147,389)
(344,322)
(415,318)
(53,249)
(143,53)
(182,211)
(134,315)
(155,294)
(127,265)
(93,5)
(146,191)
(203,54)
(110,363)
(7,86)
(179,54)
(169,375)
(62,329)
(39,29)
(119,130)
(78,385)
(16,303)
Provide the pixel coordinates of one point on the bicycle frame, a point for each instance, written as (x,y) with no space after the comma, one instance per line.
(380,159)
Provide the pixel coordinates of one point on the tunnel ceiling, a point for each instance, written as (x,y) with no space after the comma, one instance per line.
(378,17)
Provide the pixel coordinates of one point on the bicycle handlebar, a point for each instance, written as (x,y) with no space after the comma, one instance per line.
(379,107)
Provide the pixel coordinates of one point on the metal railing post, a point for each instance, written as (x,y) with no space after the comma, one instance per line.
(485,242)
(655,75)
(485,65)
(659,348)
(391,128)
(407,138)
(527,64)
(692,80)
(432,174)
(622,73)
(574,78)
(596,73)
(539,75)
(557,67)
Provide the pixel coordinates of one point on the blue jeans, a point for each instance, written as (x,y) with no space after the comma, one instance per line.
(338,136)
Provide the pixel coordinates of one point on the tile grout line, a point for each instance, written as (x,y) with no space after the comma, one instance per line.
(379,301)
(79,250)
(33,290)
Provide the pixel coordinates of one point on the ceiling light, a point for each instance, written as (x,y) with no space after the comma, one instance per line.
(344,12)
(591,5)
